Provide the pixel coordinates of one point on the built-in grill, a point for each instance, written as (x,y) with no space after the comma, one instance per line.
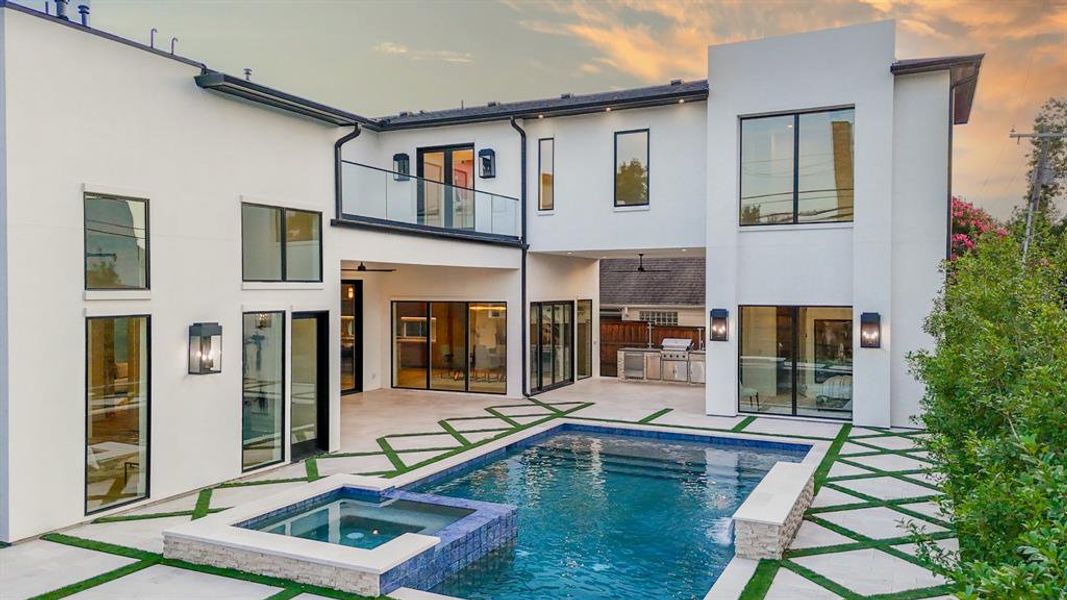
(674,358)
(673,361)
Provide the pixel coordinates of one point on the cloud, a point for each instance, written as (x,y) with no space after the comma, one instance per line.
(1025,42)
(448,56)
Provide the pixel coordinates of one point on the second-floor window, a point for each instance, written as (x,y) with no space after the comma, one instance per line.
(116,243)
(280,244)
(797,168)
(546,173)
(631,168)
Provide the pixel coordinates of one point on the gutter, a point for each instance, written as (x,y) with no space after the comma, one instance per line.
(522,265)
(356,130)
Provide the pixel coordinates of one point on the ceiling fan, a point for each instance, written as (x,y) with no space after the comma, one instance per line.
(641,268)
(362,268)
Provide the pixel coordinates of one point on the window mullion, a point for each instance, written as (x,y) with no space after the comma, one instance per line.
(796,168)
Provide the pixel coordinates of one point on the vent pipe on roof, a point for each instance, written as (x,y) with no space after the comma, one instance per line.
(493,103)
(565,95)
(61,9)
(676,82)
(248,73)
(173,41)
(83,10)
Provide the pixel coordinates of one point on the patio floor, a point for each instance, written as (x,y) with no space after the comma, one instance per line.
(852,544)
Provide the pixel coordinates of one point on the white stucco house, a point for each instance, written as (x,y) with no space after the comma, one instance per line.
(196,267)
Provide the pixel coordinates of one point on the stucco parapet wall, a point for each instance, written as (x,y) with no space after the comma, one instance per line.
(767,520)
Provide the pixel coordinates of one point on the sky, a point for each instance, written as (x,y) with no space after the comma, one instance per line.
(376,57)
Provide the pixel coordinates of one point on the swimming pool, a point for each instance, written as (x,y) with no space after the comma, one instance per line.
(604,515)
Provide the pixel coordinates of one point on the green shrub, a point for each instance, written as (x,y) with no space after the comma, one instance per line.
(996,408)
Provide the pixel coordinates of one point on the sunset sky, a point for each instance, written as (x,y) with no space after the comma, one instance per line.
(375,58)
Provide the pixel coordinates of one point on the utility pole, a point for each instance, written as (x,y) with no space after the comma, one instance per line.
(1042,176)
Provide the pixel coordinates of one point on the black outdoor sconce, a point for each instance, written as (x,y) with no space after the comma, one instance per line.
(401,166)
(720,325)
(487,163)
(870,330)
(205,348)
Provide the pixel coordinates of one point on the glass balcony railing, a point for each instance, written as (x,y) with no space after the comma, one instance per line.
(379,195)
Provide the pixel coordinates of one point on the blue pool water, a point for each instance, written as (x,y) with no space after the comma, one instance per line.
(609,516)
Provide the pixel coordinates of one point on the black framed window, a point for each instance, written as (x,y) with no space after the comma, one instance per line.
(798,168)
(795,360)
(280,244)
(546,174)
(450,346)
(631,168)
(118,408)
(116,242)
(584,324)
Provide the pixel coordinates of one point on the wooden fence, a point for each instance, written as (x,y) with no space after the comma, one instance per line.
(628,334)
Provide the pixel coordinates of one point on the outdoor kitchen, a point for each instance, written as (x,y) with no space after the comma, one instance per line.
(675,361)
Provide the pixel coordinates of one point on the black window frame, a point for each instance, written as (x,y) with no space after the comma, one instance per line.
(648,167)
(796,165)
(147,242)
(283,238)
(428,304)
(147,469)
(540,172)
(794,316)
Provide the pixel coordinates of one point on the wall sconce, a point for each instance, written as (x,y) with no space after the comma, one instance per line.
(401,166)
(487,163)
(205,348)
(720,325)
(870,330)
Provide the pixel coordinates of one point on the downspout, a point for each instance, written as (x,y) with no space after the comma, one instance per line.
(337,167)
(522,265)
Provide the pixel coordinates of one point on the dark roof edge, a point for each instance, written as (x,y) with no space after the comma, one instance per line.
(547,110)
(963,74)
(261,94)
(100,33)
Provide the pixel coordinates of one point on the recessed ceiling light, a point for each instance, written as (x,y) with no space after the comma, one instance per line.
(684,249)
(540,116)
(608,109)
(681,101)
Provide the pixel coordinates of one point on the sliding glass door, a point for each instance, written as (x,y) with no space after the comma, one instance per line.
(796,360)
(584,335)
(263,384)
(117,407)
(450,346)
(446,194)
(551,345)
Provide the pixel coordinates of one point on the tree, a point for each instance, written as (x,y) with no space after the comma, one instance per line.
(968,224)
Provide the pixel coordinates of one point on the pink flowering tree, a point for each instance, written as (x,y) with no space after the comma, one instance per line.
(968,224)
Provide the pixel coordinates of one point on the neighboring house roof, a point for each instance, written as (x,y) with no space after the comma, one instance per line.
(681,285)
(963,74)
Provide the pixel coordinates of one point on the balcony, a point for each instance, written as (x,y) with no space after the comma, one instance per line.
(378,198)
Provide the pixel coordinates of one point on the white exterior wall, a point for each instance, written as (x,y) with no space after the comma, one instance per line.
(920,229)
(5,446)
(559,278)
(838,264)
(585,217)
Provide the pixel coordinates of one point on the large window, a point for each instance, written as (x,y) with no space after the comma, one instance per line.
(116,243)
(452,346)
(631,168)
(117,408)
(797,168)
(796,360)
(263,385)
(546,174)
(280,244)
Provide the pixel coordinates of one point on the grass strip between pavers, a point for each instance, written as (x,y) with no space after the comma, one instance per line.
(286,594)
(145,556)
(743,423)
(825,582)
(391,454)
(100,579)
(312,467)
(203,504)
(831,455)
(454,433)
(760,582)
(887,549)
(143,516)
(655,415)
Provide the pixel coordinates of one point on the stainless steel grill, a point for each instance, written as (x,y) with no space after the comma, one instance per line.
(675,357)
